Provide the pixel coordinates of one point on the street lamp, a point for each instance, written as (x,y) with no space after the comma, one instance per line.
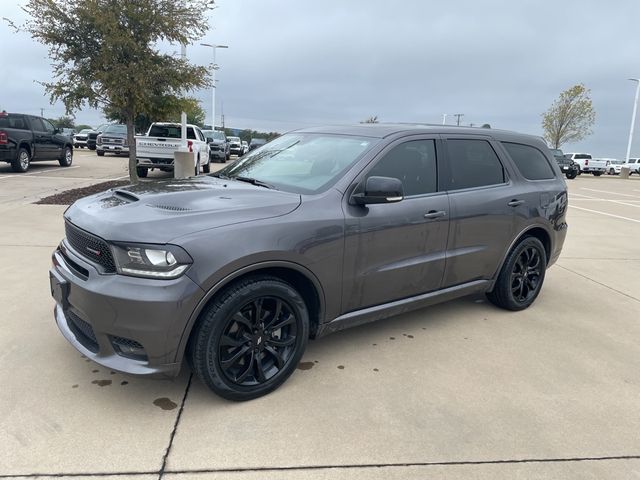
(213,88)
(633,118)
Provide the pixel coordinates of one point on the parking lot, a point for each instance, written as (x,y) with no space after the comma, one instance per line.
(461,390)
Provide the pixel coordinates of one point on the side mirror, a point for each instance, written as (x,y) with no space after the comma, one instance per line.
(56,131)
(209,140)
(380,190)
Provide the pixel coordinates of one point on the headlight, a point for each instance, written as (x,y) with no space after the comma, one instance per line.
(165,262)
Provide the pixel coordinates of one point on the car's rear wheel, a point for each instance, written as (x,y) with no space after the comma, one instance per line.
(142,171)
(521,276)
(596,174)
(67,157)
(249,340)
(22,161)
(100,153)
(572,175)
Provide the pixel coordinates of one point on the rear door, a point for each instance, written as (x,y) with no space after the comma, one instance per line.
(482,208)
(397,250)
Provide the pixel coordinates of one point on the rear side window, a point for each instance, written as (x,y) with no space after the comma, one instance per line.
(473,163)
(530,161)
(165,131)
(13,121)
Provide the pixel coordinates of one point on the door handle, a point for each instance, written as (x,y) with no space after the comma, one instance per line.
(515,203)
(435,214)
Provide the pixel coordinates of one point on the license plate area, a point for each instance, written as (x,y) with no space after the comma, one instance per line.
(59,289)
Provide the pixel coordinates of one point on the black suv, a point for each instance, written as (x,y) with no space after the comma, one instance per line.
(27,138)
(322,229)
(570,168)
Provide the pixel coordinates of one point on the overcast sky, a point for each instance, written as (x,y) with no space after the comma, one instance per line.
(293,63)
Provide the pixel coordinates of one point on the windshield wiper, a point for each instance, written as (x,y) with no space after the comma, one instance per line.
(220,175)
(254,181)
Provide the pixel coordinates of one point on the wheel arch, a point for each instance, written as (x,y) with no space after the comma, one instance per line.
(536,231)
(301,278)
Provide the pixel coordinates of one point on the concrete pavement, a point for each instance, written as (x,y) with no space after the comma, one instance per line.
(460,390)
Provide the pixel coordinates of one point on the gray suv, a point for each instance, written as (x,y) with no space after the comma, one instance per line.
(318,230)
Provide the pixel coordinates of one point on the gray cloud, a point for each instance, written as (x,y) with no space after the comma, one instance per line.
(293,64)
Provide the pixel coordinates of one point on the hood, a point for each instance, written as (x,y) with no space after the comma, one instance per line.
(158,212)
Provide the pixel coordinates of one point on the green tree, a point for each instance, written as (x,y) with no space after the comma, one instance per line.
(570,117)
(82,127)
(64,121)
(105,53)
(166,108)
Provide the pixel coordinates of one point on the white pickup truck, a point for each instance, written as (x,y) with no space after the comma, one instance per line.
(156,149)
(588,164)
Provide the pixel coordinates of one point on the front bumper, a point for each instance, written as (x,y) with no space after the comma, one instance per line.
(112,148)
(97,313)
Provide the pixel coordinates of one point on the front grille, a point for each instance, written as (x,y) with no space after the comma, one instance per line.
(113,141)
(83,331)
(90,246)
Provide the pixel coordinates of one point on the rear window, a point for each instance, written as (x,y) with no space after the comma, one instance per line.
(530,161)
(13,121)
(170,131)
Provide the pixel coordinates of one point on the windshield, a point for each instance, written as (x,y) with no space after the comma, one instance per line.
(86,130)
(557,153)
(234,139)
(301,163)
(217,135)
(115,129)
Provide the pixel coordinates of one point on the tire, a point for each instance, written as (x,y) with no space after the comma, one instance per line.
(67,157)
(270,356)
(505,294)
(572,175)
(612,171)
(207,167)
(22,161)
(75,145)
(596,174)
(142,171)
(100,153)
(91,148)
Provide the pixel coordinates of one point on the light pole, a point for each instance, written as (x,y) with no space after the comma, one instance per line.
(213,88)
(633,118)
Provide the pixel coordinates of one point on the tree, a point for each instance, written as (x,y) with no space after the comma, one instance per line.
(373,119)
(193,109)
(63,122)
(166,108)
(570,117)
(83,127)
(105,53)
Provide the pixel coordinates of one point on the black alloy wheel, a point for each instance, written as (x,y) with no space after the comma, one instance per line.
(525,276)
(249,340)
(521,276)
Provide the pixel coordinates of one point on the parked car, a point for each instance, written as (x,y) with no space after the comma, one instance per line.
(256,143)
(157,148)
(588,164)
(27,138)
(218,145)
(613,166)
(633,165)
(80,138)
(567,166)
(245,147)
(355,224)
(92,137)
(235,146)
(113,139)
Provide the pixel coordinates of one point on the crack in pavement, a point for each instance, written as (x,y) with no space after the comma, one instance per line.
(323,467)
(599,283)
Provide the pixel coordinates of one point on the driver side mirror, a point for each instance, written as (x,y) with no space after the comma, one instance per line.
(380,190)
(209,140)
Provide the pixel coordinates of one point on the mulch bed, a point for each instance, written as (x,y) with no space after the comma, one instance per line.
(69,196)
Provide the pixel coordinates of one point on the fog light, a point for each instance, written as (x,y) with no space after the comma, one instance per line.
(128,348)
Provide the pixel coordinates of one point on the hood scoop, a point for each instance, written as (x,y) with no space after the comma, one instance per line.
(126,196)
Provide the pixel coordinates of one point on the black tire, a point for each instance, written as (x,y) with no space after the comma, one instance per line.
(207,167)
(142,171)
(270,356)
(572,175)
(612,171)
(507,293)
(67,157)
(100,153)
(596,174)
(22,161)
(91,147)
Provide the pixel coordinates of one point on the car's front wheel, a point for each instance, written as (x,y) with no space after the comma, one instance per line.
(250,339)
(521,276)
(572,175)
(67,157)
(142,171)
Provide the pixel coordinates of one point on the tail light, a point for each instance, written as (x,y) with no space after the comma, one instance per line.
(4,139)
(586,162)
(190,145)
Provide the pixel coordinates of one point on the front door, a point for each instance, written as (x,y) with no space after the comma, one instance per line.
(397,250)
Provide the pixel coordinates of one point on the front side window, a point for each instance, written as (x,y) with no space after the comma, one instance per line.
(301,162)
(413,163)
(473,163)
(47,126)
(530,161)
(37,124)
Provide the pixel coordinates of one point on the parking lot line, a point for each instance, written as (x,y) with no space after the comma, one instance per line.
(612,193)
(607,214)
